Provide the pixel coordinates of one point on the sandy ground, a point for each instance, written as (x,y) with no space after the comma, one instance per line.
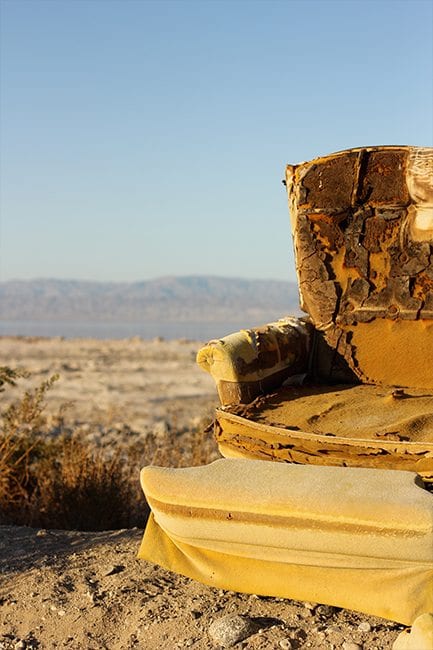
(111,385)
(68,589)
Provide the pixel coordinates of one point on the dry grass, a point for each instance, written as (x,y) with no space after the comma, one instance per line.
(64,482)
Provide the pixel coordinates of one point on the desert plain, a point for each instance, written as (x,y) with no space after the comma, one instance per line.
(87,590)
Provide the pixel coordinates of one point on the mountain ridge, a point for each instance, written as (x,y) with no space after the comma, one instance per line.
(171,298)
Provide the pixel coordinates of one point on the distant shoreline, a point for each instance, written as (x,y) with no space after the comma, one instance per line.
(192,330)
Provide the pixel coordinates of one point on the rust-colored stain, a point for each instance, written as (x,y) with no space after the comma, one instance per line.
(363,232)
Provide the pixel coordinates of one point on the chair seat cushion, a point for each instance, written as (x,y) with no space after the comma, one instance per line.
(355,538)
(362,425)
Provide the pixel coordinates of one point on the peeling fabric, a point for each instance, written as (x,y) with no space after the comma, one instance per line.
(362,223)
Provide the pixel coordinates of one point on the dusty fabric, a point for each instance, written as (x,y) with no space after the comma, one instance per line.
(355,538)
(396,352)
(253,354)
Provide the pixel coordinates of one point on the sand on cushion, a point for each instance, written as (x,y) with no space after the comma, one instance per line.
(361,411)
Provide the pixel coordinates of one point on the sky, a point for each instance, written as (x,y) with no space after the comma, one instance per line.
(142,139)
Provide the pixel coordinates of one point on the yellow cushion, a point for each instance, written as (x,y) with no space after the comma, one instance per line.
(351,537)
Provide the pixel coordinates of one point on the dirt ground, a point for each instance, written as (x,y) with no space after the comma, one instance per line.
(70,589)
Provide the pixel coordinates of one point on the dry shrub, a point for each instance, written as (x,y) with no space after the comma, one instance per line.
(65,482)
(60,482)
(14,471)
(8,376)
(82,488)
(19,446)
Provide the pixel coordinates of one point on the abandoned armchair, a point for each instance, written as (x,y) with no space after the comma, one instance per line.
(351,383)
(349,386)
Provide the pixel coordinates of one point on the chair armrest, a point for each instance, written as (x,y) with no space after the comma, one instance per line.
(253,362)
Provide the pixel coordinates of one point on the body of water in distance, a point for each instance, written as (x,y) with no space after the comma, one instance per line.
(197,331)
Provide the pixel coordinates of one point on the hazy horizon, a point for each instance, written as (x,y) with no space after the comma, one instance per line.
(150,279)
(185,306)
(149,139)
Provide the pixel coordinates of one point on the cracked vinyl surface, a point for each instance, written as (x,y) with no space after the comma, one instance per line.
(363,232)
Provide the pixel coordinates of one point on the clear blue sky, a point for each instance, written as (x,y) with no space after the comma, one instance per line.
(142,139)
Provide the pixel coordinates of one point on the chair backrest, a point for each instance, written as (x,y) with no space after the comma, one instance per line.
(362,223)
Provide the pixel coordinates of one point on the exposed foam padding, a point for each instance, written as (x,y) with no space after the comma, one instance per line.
(355,538)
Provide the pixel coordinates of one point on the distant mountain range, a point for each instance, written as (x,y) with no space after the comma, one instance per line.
(192,298)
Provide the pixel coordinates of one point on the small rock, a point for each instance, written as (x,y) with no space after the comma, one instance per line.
(324,610)
(286,644)
(111,570)
(364,626)
(349,645)
(310,606)
(231,629)
(20,645)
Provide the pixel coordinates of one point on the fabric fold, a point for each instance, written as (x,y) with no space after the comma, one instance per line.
(366,544)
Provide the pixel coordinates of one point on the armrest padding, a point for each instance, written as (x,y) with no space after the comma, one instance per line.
(253,358)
